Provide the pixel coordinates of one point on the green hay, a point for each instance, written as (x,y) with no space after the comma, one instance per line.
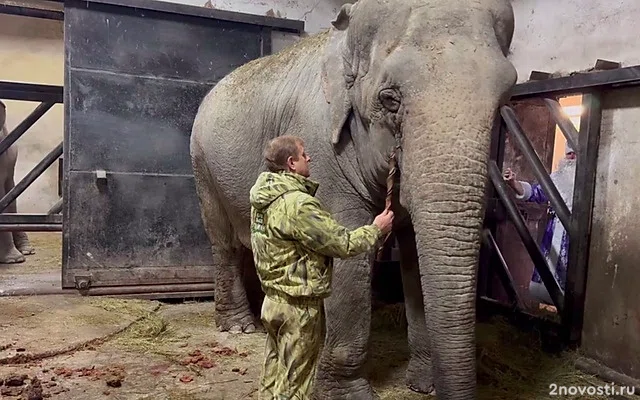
(510,363)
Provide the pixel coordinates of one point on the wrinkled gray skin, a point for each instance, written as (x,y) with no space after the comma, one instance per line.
(13,246)
(434,71)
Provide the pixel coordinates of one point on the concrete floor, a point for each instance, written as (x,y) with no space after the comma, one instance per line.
(41,272)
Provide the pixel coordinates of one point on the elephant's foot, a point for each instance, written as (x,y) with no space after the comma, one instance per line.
(22,243)
(340,388)
(419,377)
(236,322)
(25,248)
(12,257)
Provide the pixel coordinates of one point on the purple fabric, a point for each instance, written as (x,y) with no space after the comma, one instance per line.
(538,196)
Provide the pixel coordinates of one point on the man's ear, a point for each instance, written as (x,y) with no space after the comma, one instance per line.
(335,74)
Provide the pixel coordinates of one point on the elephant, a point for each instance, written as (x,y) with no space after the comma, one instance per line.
(13,245)
(428,76)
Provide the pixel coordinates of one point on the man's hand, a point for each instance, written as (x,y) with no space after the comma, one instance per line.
(384,221)
(510,178)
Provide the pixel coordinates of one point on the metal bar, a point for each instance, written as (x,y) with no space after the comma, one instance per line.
(32,12)
(30,227)
(556,293)
(503,273)
(56,208)
(30,92)
(579,83)
(281,24)
(583,197)
(550,190)
(566,126)
(10,218)
(523,320)
(30,177)
(24,126)
(487,257)
(122,290)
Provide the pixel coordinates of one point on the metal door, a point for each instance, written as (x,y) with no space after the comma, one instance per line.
(135,76)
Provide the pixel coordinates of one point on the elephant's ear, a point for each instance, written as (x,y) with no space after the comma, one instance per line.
(341,22)
(335,75)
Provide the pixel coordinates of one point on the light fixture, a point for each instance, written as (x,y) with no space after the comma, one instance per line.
(572,111)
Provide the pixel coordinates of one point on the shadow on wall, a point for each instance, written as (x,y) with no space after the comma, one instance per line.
(32,51)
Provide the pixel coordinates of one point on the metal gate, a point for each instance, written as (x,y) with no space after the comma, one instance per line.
(570,301)
(135,76)
(135,73)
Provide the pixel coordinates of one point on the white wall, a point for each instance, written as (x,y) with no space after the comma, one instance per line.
(569,35)
(317,14)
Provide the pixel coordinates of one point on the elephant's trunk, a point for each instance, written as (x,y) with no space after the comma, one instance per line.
(444,170)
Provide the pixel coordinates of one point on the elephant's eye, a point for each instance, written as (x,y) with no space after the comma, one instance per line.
(390,99)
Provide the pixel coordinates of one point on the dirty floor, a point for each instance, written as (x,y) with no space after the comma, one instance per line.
(72,347)
(40,272)
(81,348)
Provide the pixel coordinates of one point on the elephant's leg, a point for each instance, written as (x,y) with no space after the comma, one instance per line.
(341,368)
(8,252)
(20,239)
(232,306)
(233,313)
(419,372)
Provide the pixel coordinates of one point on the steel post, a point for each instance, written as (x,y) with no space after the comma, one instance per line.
(30,177)
(550,190)
(550,282)
(583,197)
(24,125)
(566,126)
(505,275)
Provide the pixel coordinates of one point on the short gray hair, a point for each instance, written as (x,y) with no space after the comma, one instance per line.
(278,150)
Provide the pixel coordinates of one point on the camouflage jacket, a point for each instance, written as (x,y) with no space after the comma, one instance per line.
(294,240)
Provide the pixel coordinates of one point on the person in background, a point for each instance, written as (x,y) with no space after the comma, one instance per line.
(555,242)
(294,242)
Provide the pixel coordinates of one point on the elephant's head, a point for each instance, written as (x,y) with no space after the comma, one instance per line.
(433,72)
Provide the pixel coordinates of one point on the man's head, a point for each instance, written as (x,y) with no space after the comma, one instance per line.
(286,153)
(569,153)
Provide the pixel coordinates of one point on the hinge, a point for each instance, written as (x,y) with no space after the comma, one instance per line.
(83,282)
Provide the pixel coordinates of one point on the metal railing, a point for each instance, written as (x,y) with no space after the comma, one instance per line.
(569,300)
(49,96)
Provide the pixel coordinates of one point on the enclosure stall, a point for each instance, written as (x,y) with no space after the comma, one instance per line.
(135,73)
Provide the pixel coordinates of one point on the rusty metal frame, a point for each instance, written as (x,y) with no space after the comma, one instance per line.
(49,96)
(578,222)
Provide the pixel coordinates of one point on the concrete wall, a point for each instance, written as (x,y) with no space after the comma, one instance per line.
(569,35)
(317,14)
(31,50)
(565,36)
(612,317)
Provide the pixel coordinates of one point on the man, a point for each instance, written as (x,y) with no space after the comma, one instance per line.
(293,242)
(555,243)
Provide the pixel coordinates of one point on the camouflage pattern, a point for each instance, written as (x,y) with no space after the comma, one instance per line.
(294,335)
(294,240)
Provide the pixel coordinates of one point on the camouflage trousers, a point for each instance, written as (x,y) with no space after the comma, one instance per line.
(294,335)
